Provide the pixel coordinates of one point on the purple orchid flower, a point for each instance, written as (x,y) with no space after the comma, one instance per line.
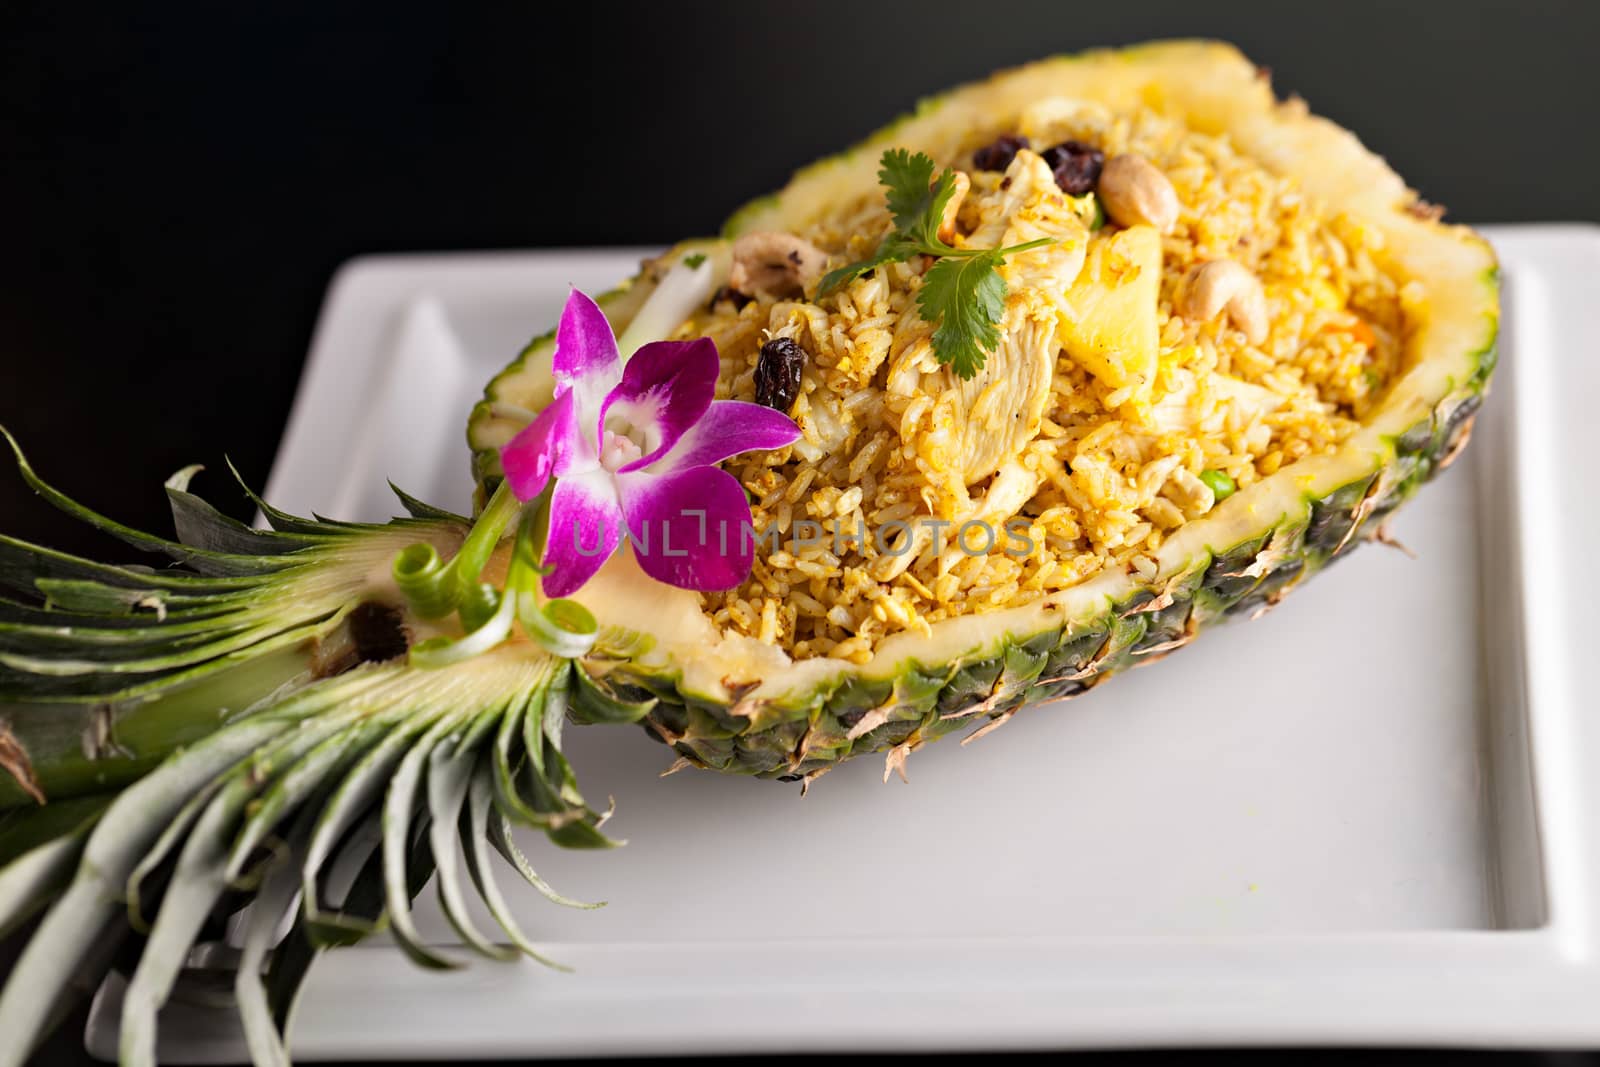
(631,448)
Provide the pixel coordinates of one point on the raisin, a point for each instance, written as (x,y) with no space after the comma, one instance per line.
(778,374)
(1076,166)
(998,156)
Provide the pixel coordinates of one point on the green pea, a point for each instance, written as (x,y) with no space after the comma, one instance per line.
(1222,486)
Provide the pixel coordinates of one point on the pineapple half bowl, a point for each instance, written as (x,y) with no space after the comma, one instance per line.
(756,707)
(1083,359)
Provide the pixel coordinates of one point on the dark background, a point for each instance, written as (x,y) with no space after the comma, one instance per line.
(178,184)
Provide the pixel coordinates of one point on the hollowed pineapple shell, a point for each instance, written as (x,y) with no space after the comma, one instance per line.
(737,706)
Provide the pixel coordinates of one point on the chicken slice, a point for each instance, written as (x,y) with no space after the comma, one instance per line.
(963,430)
(982,421)
(1000,408)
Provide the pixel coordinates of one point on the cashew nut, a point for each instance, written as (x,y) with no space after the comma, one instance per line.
(1224,283)
(769,263)
(1134,192)
(947,221)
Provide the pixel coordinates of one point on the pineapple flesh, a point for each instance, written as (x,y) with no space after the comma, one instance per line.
(1109,325)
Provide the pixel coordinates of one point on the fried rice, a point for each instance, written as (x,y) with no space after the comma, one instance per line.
(1104,474)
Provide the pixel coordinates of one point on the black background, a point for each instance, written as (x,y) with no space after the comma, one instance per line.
(178,184)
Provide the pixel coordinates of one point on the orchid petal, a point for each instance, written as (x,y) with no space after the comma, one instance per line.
(586,365)
(688,528)
(586,525)
(544,448)
(665,388)
(728,428)
(585,345)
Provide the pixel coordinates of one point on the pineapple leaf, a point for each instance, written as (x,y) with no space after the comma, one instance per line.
(200,525)
(273,900)
(286,523)
(357,794)
(203,560)
(348,786)
(418,509)
(198,881)
(81,916)
(401,801)
(475,842)
(23,829)
(596,701)
(500,836)
(28,882)
(450,769)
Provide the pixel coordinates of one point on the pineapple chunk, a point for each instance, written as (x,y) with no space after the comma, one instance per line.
(1110,326)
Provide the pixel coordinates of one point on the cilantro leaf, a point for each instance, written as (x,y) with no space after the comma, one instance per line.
(893,249)
(916,198)
(966,297)
(693,261)
(908,180)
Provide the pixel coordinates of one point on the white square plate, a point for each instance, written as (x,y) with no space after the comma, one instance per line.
(1373,817)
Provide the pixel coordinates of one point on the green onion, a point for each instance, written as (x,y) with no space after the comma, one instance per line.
(435,588)
(479,605)
(438,652)
(564,627)
(485,534)
(427,583)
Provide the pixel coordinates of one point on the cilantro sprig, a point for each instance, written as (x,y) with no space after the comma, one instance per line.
(962,294)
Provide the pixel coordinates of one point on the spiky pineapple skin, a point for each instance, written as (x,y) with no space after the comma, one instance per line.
(797,739)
